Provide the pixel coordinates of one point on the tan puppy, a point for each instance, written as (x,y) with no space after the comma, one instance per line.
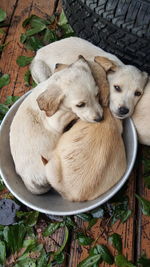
(141,117)
(43,115)
(126,82)
(90,158)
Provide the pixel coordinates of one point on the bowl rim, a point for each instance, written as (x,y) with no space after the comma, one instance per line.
(120,183)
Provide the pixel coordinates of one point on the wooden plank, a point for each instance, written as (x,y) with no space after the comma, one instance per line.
(14,49)
(100,232)
(143,220)
(9,9)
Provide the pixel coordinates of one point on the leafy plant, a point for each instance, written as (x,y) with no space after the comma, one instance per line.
(4,80)
(116,241)
(23,61)
(10,100)
(2,15)
(40,32)
(145,205)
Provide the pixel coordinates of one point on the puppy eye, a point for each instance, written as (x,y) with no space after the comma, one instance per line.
(81,105)
(97,95)
(117,88)
(137,93)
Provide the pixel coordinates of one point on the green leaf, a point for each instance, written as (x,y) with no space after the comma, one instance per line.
(2,252)
(3,111)
(121,261)
(28,262)
(118,210)
(84,240)
(62,19)
(144,261)
(32,20)
(67,30)
(146,163)
(23,60)
(59,258)
(145,205)
(36,30)
(27,77)
(52,227)
(23,38)
(33,43)
(3,46)
(4,80)
(30,217)
(2,15)
(91,223)
(147,181)
(42,261)
(10,100)
(89,261)
(49,36)
(98,212)
(85,216)
(69,222)
(2,186)
(105,253)
(66,235)
(2,31)
(14,236)
(116,240)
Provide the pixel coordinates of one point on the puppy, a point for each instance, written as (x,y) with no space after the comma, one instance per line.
(141,117)
(43,115)
(90,158)
(126,82)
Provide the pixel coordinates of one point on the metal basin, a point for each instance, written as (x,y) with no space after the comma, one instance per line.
(52,202)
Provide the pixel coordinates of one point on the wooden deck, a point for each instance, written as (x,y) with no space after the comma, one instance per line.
(136,231)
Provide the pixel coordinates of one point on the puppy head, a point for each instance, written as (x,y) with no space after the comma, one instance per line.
(81,94)
(126,88)
(50,100)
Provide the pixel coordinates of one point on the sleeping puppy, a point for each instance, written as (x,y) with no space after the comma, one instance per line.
(141,117)
(90,158)
(43,115)
(126,82)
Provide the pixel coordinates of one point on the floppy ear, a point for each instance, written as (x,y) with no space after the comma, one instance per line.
(50,100)
(106,63)
(60,66)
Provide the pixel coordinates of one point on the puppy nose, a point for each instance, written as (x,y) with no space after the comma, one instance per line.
(123,110)
(98,119)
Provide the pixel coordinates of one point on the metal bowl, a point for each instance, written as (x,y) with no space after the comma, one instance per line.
(52,203)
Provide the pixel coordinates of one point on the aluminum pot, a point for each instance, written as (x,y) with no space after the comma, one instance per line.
(51,202)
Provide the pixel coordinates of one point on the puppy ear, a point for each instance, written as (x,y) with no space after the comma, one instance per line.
(60,66)
(50,100)
(106,63)
(146,77)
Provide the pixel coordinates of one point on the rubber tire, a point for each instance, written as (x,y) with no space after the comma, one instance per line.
(121,27)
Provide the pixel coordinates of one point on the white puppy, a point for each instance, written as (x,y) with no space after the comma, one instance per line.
(43,115)
(141,117)
(126,82)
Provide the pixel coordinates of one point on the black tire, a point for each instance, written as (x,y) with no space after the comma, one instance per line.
(121,27)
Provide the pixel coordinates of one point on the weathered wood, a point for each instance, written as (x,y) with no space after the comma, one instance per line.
(99,230)
(9,8)
(23,9)
(143,220)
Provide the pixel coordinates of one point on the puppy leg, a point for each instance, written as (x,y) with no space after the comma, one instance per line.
(39,71)
(54,173)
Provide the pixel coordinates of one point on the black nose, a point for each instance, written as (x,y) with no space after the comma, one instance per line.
(98,119)
(123,110)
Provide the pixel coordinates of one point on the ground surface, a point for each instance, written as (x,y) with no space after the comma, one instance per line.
(135,231)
